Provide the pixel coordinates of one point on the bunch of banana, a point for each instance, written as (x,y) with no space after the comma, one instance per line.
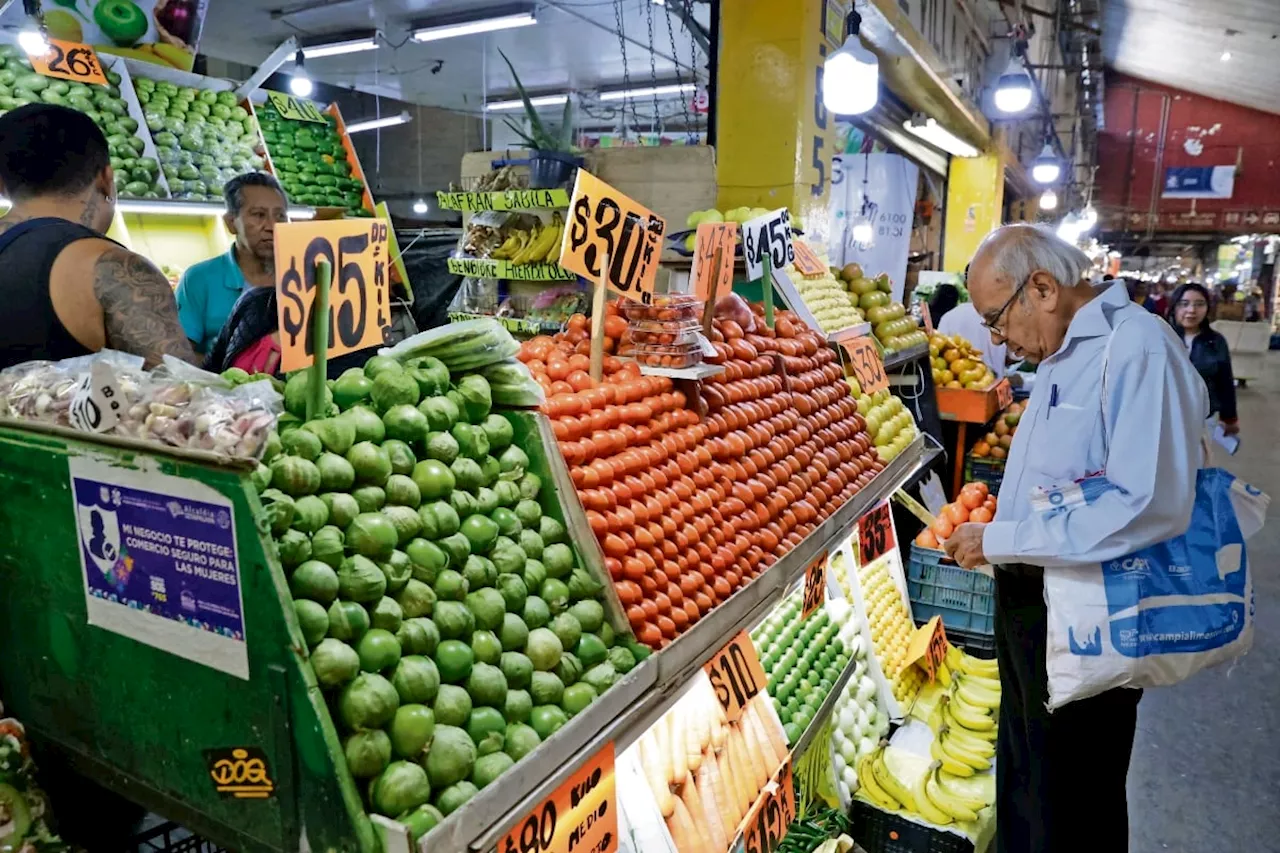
(544,246)
(517,240)
(880,786)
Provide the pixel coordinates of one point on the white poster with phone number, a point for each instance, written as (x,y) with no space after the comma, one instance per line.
(890,189)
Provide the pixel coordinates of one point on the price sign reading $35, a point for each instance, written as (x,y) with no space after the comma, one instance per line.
(605,224)
(581,816)
(770,233)
(736,675)
(875,533)
(359,301)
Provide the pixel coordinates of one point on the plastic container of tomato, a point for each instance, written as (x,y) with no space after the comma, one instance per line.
(663,308)
(659,335)
(659,355)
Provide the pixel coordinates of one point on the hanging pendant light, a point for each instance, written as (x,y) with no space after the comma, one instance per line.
(851,75)
(1046,168)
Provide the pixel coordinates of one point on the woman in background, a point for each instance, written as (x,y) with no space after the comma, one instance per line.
(1189,315)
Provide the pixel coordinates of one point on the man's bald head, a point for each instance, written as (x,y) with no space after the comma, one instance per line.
(1027,283)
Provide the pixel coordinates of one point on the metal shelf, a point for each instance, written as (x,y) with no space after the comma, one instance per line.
(909,354)
(824,711)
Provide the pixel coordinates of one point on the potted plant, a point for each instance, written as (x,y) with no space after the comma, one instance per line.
(551,159)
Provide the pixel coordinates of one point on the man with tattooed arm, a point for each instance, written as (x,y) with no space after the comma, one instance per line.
(65,288)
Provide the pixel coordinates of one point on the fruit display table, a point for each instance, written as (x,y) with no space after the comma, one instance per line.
(966,406)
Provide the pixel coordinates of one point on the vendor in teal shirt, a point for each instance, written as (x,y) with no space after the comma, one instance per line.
(255,204)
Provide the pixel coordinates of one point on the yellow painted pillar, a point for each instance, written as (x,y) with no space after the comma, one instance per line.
(975,196)
(774,139)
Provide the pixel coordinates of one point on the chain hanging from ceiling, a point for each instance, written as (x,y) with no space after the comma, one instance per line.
(692,125)
(626,70)
(653,73)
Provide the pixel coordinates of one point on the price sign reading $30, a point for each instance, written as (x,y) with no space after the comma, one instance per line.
(359,301)
(605,224)
(736,675)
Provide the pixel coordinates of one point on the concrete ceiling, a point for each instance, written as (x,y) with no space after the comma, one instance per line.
(1179,43)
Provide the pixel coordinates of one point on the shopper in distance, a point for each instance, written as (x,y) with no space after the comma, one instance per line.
(1189,315)
(1114,394)
(69,290)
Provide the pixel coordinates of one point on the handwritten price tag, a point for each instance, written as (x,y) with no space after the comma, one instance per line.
(766,825)
(95,407)
(605,224)
(70,60)
(296,109)
(580,816)
(815,585)
(736,675)
(868,369)
(1004,394)
(769,233)
(875,533)
(359,302)
(712,236)
(928,647)
(927,317)
(806,260)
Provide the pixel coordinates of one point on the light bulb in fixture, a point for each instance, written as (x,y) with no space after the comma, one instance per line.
(851,75)
(1014,89)
(1225,57)
(300,84)
(1049,200)
(420,207)
(1046,168)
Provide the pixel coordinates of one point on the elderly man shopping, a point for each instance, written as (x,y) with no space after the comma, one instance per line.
(1061,775)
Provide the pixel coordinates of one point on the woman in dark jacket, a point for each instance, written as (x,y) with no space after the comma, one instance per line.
(1189,316)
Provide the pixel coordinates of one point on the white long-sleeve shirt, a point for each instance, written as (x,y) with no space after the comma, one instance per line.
(1155,408)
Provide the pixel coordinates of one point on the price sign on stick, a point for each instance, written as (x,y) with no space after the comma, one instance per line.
(766,824)
(704,274)
(296,109)
(604,223)
(928,648)
(69,60)
(868,369)
(875,533)
(736,675)
(806,260)
(1004,394)
(359,303)
(815,585)
(770,233)
(581,816)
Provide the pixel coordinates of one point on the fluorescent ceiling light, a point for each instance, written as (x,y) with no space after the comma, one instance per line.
(1014,88)
(863,232)
(177,207)
(337,48)
(1046,168)
(1049,200)
(481,25)
(517,104)
(648,92)
(851,75)
(373,123)
(937,135)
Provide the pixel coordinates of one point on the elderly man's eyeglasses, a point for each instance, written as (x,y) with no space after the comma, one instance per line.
(992,323)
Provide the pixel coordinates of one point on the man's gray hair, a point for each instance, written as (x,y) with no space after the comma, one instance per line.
(1021,249)
(233,190)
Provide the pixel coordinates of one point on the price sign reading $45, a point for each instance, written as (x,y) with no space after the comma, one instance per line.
(607,226)
(770,233)
(359,301)
(736,675)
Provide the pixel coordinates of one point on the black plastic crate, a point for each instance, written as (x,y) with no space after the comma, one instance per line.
(983,469)
(169,837)
(980,645)
(881,832)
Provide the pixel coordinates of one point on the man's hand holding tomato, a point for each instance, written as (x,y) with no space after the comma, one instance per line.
(965,545)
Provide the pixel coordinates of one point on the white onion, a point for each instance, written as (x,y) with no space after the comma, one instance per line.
(866,746)
(838,761)
(849,778)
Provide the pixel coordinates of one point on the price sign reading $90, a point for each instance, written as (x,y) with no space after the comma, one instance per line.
(359,301)
(605,224)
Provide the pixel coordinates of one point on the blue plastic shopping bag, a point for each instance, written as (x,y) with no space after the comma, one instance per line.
(1155,616)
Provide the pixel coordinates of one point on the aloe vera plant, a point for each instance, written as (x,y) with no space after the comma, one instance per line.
(537,137)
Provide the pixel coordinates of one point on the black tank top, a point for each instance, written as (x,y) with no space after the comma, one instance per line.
(31,329)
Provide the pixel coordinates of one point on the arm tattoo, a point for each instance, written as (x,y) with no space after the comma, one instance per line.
(139,313)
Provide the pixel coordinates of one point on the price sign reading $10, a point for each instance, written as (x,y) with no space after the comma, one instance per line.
(359,301)
(581,816)
(606,226)
(736,675)
(770,233)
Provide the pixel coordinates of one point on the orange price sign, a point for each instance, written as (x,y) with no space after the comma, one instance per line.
(806,261)
(710,237)
(815,585)
(736,675)
(766,824)
(580,816)
(359,302)
(1004,394)
(927,317)
(607,227)
(875,533)
(928,647)
(868,369)
(70,60)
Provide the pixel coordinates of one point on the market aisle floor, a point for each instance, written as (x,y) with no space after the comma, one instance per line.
(1205,775)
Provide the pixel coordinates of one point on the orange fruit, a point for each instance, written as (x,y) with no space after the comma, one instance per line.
(999,453)
(955,513)
(971,499)
(926,539)
(981,515)
(981,449)
(942,528)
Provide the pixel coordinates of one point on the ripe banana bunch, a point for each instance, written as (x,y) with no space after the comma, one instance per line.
(545,242)
(944,796)
(516,241)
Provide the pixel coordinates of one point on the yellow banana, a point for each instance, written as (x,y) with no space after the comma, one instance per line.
(974,719)
(953,793)
(508,248)
(989,683)
(951,765)
(951,805)
(538,247)
(890,783)
(925,807)
(978,666)
(953,724)
(871,788)
(971,742)
(974,694)
(553,253)
(962,755)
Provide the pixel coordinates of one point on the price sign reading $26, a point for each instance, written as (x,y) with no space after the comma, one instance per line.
(69,60)
(359,301)
(815,585)
(868,369)
(606,226)
(581,816)
(875,533)
(736,675)
(770,234)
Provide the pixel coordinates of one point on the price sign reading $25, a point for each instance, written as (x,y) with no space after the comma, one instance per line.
(766,825)
(607,227)
(868,369)
(69,60)
(770,234)
(875,533)
(815,585)
(581,816)
(736,675)
(359,300)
